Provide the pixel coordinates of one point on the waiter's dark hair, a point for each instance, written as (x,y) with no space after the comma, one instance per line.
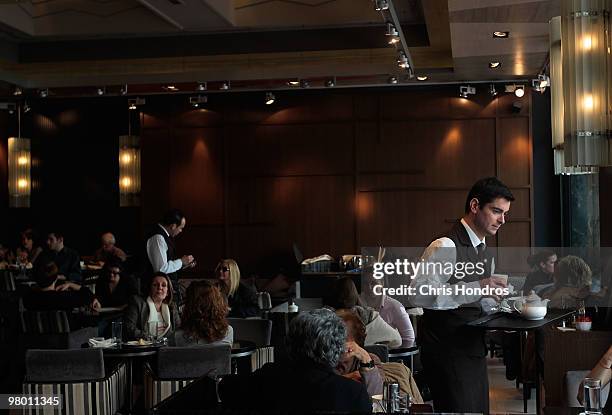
(486,190)
(173,216)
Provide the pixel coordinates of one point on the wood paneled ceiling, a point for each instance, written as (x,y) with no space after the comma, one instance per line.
(76,43)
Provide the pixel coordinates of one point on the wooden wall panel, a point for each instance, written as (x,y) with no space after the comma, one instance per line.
(314,212)
(155,174)
(429,153)
(514,151)
(196,174)
(513,235)
(411,218)
(285,150)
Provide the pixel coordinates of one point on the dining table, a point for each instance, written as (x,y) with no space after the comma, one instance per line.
(516,323)
(129,352)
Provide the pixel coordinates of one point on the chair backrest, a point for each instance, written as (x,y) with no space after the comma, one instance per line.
(44,322)
(7,281)
(64,365)
(256,330)
(193,362)
(380,350)
(573,378)
(264,301)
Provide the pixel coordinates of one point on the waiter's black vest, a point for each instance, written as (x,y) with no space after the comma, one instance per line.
(170,252)
(446,329)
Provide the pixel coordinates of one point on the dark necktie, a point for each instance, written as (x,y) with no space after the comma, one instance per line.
(480,248)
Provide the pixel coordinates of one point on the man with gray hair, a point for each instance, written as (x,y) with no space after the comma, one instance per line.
(109,251)
(307,383)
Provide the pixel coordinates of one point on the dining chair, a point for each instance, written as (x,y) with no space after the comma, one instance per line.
(176,367)
(51,330)
(86,386)
(258,331)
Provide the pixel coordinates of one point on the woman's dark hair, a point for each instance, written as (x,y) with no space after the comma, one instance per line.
(539,257)
(108,266)
(170,296)
(487,190)
(30,234)
(173,216)
(354,326)
(46,275)
(343,294)
(205,311)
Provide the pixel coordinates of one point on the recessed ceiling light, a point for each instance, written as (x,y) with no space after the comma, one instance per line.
(494,65)
(101,91)
(519,91)
(44,93)
(422,78)
(392,80)
(500,35)
(202,86)
(18,91)
(170,88)
(293,82)
(330,83)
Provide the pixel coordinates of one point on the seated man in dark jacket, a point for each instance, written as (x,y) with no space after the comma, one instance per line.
(47,295)
(315,342)
(67,260)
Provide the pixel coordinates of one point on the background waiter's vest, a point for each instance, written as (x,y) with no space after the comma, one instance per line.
(170,255)
(446,330)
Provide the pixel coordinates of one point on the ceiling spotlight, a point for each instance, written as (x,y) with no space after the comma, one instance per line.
(198,100)
(392,80)
(201,86)
(170,88)
(330,83)
(225,85)
(494,65)
(44,93)
(270,98)
(492,90)
(402,60)
(26,108)
(422,78)
(519,91)
(133,103)
(381,5)
(124,90)
(293,82)
(101,91)
(543,80)
(465,90)
(304,83)
(18,91)
(500,35)
(392,33)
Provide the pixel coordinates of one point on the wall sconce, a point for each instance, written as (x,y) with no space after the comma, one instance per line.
(20,162)
(580,86)
(129,170)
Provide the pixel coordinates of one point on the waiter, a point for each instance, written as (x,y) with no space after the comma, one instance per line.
(161,251)
(454,355)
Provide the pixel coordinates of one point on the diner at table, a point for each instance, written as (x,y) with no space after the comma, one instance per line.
(114,287)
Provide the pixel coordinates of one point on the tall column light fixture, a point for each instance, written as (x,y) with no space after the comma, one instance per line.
(582,101)
(129,168)
(19,162)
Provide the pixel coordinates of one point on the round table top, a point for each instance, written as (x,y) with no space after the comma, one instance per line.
(243,348)
(125,350)
(404,351)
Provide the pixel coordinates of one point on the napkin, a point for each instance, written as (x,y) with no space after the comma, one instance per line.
(102,343)
(564,329)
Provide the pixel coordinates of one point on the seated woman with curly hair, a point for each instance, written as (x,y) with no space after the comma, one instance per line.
(204,316)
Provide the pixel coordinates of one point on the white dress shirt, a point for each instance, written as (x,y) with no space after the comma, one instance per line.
(440,251)
(157,252)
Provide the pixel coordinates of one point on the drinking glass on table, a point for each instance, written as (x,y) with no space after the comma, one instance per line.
(117,331)
(592,396)
(154,329)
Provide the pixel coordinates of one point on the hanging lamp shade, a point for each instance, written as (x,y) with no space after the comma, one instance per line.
(20,182)
(129,170)
(581,76)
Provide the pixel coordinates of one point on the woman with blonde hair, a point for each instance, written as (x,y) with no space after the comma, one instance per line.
(241,298)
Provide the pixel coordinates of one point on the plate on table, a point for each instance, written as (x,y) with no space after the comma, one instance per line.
(140,342)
